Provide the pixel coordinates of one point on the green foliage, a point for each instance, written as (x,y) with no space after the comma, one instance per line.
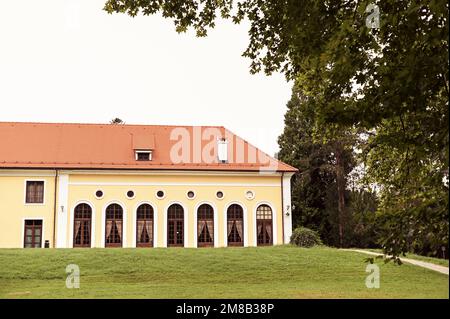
(413,212)
(305,237)
(415,222)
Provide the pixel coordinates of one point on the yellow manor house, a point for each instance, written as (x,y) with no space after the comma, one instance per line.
(117,185)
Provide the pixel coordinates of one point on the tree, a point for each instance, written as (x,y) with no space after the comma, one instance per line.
(116,120)
(363,204)
(309,185)
(321,184)
(390,81)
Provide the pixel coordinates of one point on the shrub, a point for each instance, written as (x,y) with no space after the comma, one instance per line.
(305,237)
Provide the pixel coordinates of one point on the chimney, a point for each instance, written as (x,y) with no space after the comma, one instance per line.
(222,150)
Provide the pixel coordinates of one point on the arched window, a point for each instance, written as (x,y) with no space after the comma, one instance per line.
(175,226)
(205,226)
(264,225)
(235,225)
(82,226)
(144,226)
(114,226)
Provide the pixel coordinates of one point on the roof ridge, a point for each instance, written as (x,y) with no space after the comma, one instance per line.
(104,124)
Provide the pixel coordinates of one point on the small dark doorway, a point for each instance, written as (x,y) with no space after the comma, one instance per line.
(175,226)
(264,225)
(82,226)
(114,226)
(33,233)
(235,225)
(144,226)
(205,226)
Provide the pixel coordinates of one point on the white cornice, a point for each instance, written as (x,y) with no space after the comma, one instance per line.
(100,183)
(27,172)
(168,172)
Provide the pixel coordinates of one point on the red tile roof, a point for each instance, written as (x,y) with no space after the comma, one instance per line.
(111,146)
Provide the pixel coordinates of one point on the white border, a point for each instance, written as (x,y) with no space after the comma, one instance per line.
(25,191)
(191,198)
(249,197)
(274,223)
(62,211)
(287,219)
(185,226)
(124,226)
(126,194)
(225,223)
(216,223)
(155,223)
(168,172)
(72,221)
(220,198)
(42,233)
(97,197)
(160,190)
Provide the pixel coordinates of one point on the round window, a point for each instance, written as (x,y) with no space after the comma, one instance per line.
(190,194)
(249,194)
(160,194)
(219,194)
(130,194)
(99,194)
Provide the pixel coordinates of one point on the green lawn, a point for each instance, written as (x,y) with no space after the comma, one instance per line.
(272,272)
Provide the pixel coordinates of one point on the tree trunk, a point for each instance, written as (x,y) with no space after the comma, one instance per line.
(340,181)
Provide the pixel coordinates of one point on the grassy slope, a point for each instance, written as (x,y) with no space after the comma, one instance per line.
(272,272)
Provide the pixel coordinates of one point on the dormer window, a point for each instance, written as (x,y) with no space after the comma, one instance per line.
(143,155)
(143,145)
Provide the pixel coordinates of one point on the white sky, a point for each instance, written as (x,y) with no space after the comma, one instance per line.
(69,61)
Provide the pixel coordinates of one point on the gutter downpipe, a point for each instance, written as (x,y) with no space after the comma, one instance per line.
(54,208)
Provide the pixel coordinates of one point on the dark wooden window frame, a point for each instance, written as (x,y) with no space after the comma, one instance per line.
(115,213)
(32,194)
(205,213)
(175,217)
(235,212)
(31,224)
(146,217)
(80,214)
(262,219)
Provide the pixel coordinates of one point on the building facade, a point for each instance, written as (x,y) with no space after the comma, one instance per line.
(93,185)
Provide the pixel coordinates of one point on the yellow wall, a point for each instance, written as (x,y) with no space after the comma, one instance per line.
(82,188)
(14,210)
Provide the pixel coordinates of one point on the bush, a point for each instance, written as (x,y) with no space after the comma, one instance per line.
(305,237)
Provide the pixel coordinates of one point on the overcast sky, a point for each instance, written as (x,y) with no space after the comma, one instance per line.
(69,61)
